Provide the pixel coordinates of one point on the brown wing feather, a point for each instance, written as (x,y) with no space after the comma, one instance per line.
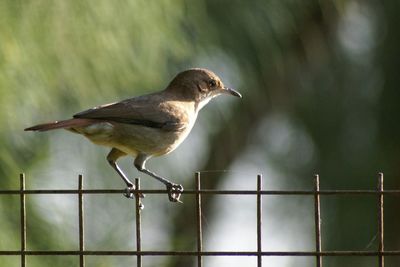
(148,110)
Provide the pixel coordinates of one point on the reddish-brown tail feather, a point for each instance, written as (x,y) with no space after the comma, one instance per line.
(61,125)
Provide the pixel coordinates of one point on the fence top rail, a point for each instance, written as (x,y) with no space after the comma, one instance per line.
(203,191)
(196,253)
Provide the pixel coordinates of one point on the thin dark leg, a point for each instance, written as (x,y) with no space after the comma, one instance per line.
(112,160)
(126,180)
(174,190)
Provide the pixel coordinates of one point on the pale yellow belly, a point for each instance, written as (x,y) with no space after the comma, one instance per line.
(134,139)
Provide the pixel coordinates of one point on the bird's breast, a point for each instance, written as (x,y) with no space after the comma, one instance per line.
(134,139)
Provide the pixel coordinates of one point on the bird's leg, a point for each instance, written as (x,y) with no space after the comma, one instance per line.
(112,159)
(174,190)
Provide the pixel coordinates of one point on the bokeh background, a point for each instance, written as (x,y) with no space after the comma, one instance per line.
(320,95)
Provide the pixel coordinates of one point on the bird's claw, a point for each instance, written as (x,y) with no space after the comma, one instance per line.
(174,192)
(130,192)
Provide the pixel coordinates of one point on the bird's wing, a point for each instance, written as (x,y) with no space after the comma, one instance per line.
(146,111)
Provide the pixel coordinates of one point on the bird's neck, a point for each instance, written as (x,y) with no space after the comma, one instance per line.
(202,103)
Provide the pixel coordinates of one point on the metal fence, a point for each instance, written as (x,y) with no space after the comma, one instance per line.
(199,253)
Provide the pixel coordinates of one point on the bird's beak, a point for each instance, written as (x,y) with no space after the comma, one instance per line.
(230,91)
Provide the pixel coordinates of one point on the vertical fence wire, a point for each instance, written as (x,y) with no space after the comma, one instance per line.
(317,217)
(380,221)
(199,228)
(23,218)
(138,210)
(81,223)
(259,221)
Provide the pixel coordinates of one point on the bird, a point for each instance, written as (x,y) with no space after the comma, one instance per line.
(149,125)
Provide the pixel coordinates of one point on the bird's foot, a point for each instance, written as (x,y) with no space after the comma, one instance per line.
(130,192)
(174,192)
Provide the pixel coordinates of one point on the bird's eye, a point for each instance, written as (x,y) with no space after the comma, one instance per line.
(212,83)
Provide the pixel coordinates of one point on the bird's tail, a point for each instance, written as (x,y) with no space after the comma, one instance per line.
(65,124)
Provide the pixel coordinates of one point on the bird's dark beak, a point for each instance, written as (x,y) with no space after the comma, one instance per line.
(231,91)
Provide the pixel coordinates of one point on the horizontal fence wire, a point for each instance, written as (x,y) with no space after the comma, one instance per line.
(203,253)
(199,253)
(203,192)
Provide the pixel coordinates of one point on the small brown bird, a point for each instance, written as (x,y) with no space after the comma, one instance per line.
(149,125)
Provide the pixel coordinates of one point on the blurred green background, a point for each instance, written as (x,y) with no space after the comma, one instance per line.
(320,95)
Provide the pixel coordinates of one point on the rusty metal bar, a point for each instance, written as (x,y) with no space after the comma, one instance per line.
(138,209)
(23,219)
(81,222)
(196,253)
(206,192)
(199,221)
(317,217)
(259,220)
(381,247)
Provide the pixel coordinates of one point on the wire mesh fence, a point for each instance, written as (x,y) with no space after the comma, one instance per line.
(318,253)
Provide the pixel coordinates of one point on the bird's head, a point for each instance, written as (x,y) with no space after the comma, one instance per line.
(199,85)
